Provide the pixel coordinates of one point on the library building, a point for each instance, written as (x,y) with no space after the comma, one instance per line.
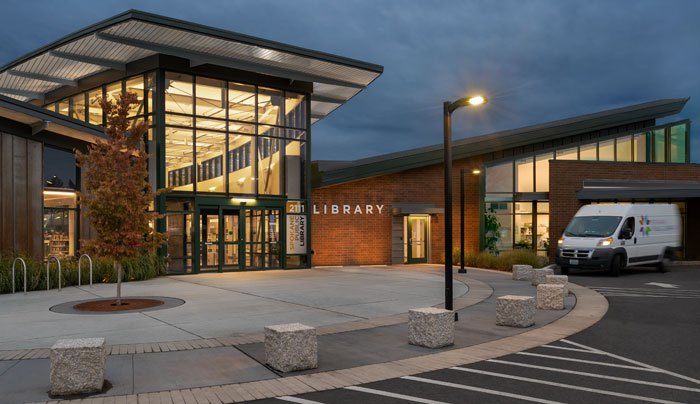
(230,135)
(389,209)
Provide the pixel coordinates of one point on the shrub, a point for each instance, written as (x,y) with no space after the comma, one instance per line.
(502,262)
(135,269)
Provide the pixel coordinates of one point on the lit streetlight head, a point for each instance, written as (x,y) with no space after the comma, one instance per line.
(477,100)
(476,171)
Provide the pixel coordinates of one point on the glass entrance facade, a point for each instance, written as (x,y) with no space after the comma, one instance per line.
(231,155)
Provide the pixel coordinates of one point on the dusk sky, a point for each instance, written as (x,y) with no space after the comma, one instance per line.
(536,61)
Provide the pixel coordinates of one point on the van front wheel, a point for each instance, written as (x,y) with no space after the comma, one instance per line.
(616,265)
(564,270)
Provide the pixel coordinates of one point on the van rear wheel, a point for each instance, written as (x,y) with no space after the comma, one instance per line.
(616,265)
(662,266)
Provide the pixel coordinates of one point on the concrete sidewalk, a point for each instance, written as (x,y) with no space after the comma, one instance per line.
(222,304)
(365,345)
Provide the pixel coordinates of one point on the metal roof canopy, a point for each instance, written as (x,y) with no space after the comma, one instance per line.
(637,189)
(336,172)
(40,119)
(134,35)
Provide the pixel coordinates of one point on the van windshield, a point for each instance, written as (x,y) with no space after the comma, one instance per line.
(592,226)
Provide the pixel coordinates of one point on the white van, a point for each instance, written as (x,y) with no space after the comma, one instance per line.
(617,235)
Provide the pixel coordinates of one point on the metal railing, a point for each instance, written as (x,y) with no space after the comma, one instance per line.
(24,264)
(90,261)
(48,261)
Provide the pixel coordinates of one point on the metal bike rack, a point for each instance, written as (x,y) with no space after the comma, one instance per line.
(24,264)
(48,261)
(90,261)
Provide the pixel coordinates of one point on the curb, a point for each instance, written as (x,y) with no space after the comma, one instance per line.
(589,309)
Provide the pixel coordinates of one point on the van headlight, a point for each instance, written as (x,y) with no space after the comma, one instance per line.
(561,240)
(606,242)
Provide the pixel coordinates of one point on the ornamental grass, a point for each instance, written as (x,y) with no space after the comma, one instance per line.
(140,268)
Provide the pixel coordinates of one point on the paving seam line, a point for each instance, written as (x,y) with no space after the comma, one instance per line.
(481,291)
(590,308)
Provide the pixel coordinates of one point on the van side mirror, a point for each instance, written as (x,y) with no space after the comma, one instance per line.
(625,234)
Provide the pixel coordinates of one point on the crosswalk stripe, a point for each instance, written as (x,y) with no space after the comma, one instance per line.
(394,395)
(298,400)
(481,390)
(567,386)
(562,358)
(607,377)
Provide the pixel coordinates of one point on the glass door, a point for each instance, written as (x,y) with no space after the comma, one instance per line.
(232,240)
(417,239)
(209,239)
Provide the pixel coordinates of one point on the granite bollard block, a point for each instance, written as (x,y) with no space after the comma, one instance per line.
(522,272)
(516,311)
(77,366)
(539,275)
(290,347)
(559,280)
(550,296)
(431,327)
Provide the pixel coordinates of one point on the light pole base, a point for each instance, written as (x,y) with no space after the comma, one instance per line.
(462,271)
(456,316)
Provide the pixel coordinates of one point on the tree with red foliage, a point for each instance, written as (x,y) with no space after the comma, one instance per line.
(116,193)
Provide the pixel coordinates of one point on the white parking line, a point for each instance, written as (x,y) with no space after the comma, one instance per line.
(570,349)
(563,358)
(622,358)
(481,390)
(394,395)
(567,386)
(297,400)
(607,377)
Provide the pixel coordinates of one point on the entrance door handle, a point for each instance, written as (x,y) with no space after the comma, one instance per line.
(208,243)
(635,240)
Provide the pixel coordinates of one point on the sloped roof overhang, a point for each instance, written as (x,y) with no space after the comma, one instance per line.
(133,35)
(40,120)
(609,190)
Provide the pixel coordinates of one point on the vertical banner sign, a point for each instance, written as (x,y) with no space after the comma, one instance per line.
(296,228)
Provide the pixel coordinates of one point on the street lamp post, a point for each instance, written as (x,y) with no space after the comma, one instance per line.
(448,109)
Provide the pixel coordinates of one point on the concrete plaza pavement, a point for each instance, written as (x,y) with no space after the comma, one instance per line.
(345,353)
(222,304)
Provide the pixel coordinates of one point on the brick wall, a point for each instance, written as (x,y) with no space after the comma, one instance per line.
(361,238)
(566,177)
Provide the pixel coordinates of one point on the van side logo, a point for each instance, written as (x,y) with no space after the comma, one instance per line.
(644,230)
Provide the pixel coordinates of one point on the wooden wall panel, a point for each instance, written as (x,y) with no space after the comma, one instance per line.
(35,198)
(21,197)
(7,237)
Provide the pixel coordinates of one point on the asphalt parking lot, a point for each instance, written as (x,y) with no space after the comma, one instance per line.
(644,350)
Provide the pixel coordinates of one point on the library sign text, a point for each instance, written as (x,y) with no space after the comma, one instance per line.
(296,228)
(348,209)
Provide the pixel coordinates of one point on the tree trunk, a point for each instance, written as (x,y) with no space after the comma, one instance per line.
(118,270)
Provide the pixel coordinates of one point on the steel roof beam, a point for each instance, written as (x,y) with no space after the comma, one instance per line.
(317,116)
(112,64)
(23,93)
(199,58)
(327,98)
(43,77)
